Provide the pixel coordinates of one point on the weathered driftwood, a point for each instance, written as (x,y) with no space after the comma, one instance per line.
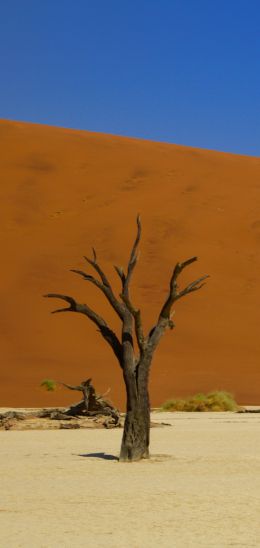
(135,365)
(12,415)
(92,405)
(244,410)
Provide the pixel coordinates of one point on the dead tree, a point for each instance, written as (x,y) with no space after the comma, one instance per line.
(135,365)
(89,401)
(92,404)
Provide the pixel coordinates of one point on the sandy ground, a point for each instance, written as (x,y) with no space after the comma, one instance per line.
(64,191)
(201,486)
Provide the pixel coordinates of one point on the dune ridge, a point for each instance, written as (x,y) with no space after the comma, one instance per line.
(63,191)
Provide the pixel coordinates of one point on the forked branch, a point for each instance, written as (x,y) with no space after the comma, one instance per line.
(165,316)
(95,265)
(174,293)
(104,287)
(119,270)
(105,331)
(194,286)
(138,322)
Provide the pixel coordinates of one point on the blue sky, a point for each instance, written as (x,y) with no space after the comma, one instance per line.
(180,71)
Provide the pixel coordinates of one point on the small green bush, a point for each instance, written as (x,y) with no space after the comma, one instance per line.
(49,385)
(217,400)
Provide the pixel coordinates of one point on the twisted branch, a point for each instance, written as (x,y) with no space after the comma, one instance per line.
(105,331)
(165,316)
(104,287)
(95,265)
(174,293)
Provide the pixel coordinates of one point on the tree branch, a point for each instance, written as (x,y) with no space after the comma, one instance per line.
(95,265)
(105,331)
(174,294)
(79,388)
(106,289)
(133,257)
(121,274)
(194,286)
(138,322)
(165,316)
(127,328)
(157,332)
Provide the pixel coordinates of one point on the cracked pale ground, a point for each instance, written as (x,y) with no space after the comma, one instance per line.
(201,487)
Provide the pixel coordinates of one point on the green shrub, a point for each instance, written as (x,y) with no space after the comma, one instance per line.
(49,385)
(217,400)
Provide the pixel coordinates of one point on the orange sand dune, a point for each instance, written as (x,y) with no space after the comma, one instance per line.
(63,191)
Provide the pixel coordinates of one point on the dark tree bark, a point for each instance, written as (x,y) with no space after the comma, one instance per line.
(135,365)
(92,404)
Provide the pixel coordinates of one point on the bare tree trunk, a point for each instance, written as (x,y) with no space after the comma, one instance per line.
(136,436)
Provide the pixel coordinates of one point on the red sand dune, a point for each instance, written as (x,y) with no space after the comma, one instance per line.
(63,191)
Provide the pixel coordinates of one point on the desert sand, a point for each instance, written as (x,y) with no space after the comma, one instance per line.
(63,191)
(201,486)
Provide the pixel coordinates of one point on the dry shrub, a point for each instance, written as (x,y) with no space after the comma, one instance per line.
(217,400)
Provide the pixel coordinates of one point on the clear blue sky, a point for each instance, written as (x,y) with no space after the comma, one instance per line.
(181,71)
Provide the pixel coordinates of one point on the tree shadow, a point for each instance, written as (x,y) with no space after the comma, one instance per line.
(104,456)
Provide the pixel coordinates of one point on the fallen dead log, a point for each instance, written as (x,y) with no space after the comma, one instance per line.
(91,405)
(248,410)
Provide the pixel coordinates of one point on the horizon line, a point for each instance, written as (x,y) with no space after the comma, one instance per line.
(130,137)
